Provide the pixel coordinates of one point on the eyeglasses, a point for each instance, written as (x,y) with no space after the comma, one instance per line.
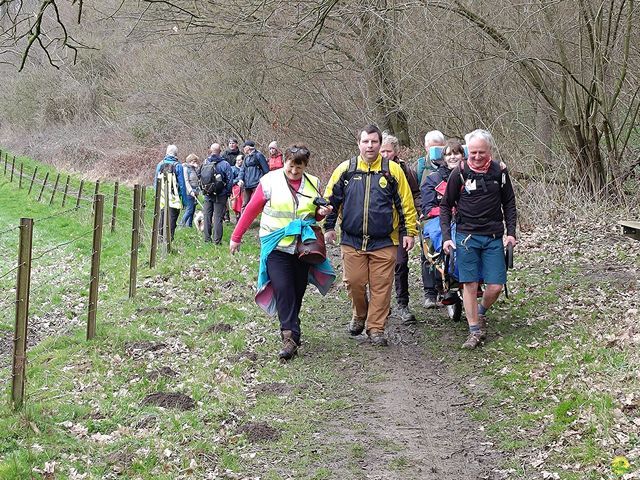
(302,150)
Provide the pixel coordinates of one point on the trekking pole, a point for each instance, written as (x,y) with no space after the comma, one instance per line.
(508,260)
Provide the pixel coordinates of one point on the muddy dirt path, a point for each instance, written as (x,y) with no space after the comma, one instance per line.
(410,417)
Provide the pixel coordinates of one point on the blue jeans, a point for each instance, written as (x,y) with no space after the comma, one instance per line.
(189,210)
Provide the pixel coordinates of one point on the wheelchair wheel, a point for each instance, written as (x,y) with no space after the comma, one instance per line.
(455,311)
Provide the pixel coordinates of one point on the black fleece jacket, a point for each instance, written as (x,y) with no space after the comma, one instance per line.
(483,205)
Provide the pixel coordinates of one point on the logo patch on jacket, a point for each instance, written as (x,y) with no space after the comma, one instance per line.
(383,182)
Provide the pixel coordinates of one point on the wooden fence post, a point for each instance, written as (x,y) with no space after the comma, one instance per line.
(115,207)
(33,179)
(143,207)
(79,194)
(44,184)
(20,181)
(22,312)
(98,211)
(6,159)
(13,167)
(66,190)
(135,240)
(55,187)
(166,231)
(154,226)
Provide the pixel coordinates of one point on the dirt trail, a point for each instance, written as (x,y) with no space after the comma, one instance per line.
(410,417)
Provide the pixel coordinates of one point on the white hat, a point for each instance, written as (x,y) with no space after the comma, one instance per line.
(273,144)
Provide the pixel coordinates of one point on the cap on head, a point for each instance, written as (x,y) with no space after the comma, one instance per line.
(249,143)
(273,144)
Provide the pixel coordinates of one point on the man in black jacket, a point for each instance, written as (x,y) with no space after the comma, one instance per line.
(480,189)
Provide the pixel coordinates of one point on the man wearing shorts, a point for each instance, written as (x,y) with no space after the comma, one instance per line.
(480,190)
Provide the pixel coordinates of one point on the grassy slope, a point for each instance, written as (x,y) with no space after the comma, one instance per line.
(559,397)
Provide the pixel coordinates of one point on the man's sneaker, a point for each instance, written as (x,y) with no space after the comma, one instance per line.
(356,326)
(473,340)
(378,339)
(430,302)
(289,346)
(403,313)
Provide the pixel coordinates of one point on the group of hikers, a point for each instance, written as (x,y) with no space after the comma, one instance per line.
(225,180)
(459,196)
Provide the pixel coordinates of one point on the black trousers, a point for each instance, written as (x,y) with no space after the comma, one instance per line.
(288,277)
(402,277)
(174,213)
(213,210)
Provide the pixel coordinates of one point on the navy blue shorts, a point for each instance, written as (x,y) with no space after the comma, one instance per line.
(480,257)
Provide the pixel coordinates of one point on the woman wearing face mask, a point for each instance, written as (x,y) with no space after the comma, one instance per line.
(285,197)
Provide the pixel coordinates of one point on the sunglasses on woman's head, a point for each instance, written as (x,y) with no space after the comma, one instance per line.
(302,150)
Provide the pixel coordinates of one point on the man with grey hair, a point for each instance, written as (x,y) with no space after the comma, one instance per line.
(254,166)
(425,166)
(217,180)
(390,149)
(172,174)
(481,192)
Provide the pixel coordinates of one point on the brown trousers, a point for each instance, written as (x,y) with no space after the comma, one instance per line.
(376,269)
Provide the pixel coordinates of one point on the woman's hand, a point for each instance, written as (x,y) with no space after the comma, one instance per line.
(234,247)
(324,211)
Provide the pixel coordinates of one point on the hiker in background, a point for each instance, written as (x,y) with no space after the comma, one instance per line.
(254,166)
(431,193)
(390,149)
(481,192)
(287,200)
(236,191)
(215,181)
(377,214)
(172,173)
(275,156)
(191,166)
(425,166)
(232,151)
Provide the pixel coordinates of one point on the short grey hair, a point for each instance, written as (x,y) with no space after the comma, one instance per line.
(482,135)
(390,139)
(434,136)
(215,148)
(172,150)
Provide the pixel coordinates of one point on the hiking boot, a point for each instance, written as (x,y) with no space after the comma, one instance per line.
(378,339)
(483,326)
(430,302)
(289,346)
(356,326)
(403,313)
(473,340)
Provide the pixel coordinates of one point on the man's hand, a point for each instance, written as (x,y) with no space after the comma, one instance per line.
(408,242)
(324,211)
(510,240)
(448,247)
(330,237)
(234,247)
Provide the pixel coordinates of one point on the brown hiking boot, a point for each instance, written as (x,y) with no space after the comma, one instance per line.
(356,326)
(378,339)
(483,327)
(473,340)
(289,346)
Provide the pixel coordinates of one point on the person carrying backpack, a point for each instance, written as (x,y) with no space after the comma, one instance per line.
(191,169)
(372,198)
(254,166)
(216,180)
(171,169)
(481,192)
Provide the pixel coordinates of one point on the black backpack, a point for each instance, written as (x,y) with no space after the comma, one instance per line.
(211,181)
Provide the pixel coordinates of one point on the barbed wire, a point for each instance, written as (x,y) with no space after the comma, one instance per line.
(9,230)
(8,272)
(68,242)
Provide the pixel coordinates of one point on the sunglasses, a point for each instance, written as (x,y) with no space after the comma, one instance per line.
(302,150)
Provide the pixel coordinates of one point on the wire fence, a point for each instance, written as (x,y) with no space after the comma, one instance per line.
(67,271)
